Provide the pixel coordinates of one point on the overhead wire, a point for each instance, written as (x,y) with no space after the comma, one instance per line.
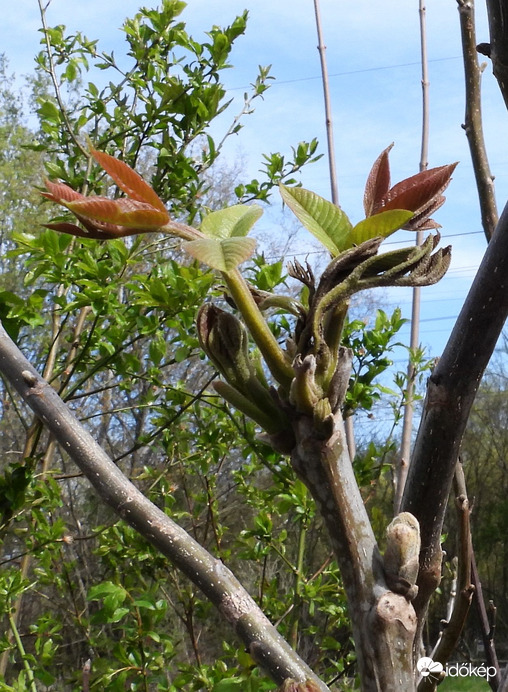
(278,82)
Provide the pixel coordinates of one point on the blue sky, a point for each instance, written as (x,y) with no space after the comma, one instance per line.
(373,59)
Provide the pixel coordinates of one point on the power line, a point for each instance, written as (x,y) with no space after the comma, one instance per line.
(350,72)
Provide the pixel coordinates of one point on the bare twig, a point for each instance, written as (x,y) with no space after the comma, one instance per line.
(486,628)
(473,119)
(465,589)
(407,425)
(328,107)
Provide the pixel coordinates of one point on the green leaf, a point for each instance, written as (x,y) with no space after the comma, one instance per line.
(106,588)
(222,254)
(327,222)
(382,224)
(49,111)
(229,685)
(231,222)
(157,348)
(118,615)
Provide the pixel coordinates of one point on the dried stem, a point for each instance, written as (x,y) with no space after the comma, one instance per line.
(486,628)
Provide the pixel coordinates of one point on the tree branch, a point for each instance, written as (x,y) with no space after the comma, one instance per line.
(473,119)
(465,590)
(379,617)
(451,391)
(497,11)
(264,643)
(487,635)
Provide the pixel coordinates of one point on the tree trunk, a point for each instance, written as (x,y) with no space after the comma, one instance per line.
(384,622)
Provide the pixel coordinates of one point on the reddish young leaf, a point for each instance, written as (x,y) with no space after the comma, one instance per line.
(92,231)
(420,191)
(378,183)
(69,228)
(126,212)
(128,180)
(60,193)
(421,221)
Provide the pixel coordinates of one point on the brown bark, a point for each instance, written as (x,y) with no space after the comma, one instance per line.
(497,50)
(473,126)
(384,623)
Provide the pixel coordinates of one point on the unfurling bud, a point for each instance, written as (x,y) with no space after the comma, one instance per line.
(225,341)
(305,392)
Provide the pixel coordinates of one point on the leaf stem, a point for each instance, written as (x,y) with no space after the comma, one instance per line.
(274,356)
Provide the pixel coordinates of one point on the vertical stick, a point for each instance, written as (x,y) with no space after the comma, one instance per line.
(407,424)
(328,107)
(348,422)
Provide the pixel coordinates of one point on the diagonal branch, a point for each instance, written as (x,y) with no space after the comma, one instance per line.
(264,643)
(451,391)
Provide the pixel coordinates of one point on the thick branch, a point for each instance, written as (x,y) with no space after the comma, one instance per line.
(384,623)
(218,584)
(451,391)
(473,119)
(498,50)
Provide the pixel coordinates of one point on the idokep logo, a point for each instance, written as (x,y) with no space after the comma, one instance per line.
(433,669)
(429,668)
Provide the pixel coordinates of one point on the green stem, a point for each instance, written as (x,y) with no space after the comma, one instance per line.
(266,420)
(335,327)
(293,635)
(181,230)
(274,356)
(22,653)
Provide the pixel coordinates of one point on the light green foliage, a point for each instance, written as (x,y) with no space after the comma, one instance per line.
(231,221)
(223,254)
(155,108)
(330,225)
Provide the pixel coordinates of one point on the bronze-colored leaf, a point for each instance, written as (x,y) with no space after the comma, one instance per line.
(60,193)
(128,180)
(71,229)
(419,191)
(126,212)
(378,183)
(421,221)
